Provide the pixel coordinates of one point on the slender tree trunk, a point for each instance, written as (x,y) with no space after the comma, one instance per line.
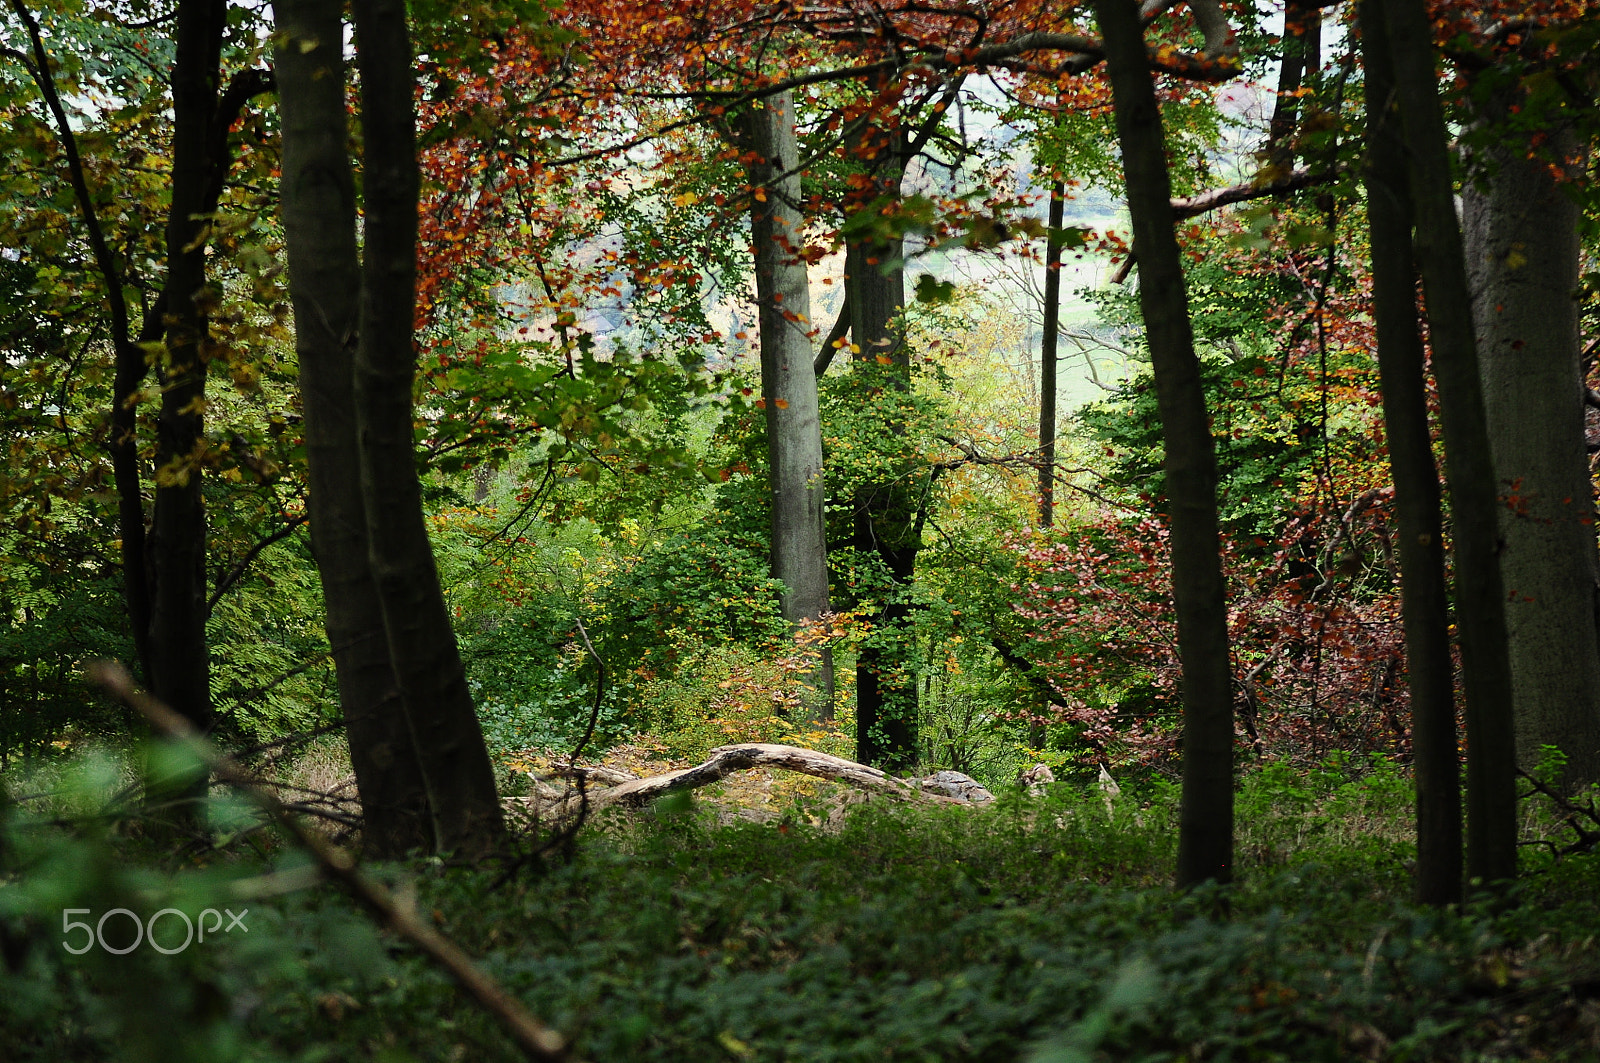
(1047,355)
(788,380)
(1522,252)
(1205,833)
(885,512)
(885,525)
(319,221)
(130,366)
(422,646)
(180,667)
(1424,598)
(1480,598)
(178,661)
(1302,54)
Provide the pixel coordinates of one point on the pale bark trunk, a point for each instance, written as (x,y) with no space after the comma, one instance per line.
(1205,831)
(319,221)
(1420,542)
(1522,264)
(788,380)
(551,807)
(422,645)
(1480,598)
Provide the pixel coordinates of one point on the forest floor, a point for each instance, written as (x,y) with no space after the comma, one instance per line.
(1041,928)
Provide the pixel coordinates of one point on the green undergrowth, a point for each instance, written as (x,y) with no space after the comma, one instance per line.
(1043,929)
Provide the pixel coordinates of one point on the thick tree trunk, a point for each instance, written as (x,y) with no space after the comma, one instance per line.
(1205,832)
(1424,599)
(1522,264)
(788,380)
(319,221)
(422,646)
(1048,356)
(1480,599)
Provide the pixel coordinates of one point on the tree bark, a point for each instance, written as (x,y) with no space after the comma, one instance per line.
(1420,542)
(1047,355)
(178,660)
(1302,54)
(885,521)
(422,646)
(885,512)
(180,668)
(319,221)
(788,379)
(553,807)
(1205,832)
(1522,252)
(1480,598)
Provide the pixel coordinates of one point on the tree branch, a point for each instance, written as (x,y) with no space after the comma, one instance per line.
(831,345)
(536,1040)
(1205,202)
(224,583)
(1213,23)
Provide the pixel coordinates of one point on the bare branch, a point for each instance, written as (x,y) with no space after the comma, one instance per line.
(1220,41)
(835,338)
(536,1040)
(1190,206)
(226,582)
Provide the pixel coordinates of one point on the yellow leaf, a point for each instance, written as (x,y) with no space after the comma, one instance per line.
(782,404)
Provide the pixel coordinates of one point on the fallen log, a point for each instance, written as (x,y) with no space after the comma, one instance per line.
(547,809)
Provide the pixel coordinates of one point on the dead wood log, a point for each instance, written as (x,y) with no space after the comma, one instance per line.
(724,761)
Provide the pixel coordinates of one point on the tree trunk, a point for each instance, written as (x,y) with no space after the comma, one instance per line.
(1480,599)
(1302,54)
(1423,595)
(788,381)
(180,670)
(1047,354)
(1205,832)
(433,685)
(885,522)
(319,221)
(130,366)
(1522,264)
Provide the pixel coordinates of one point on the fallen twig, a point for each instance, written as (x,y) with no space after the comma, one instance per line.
(1587,839)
